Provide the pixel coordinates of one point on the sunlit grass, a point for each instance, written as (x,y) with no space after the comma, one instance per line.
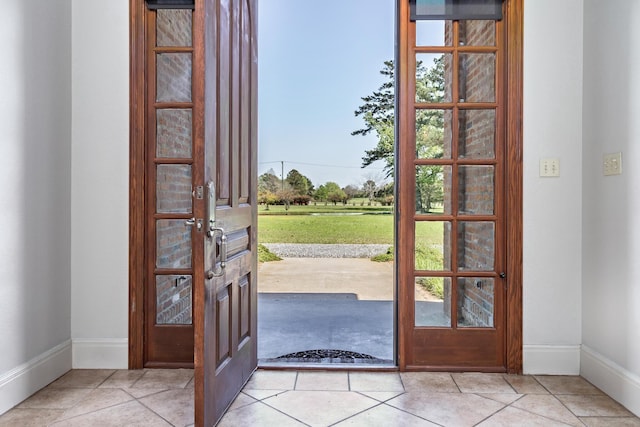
(357,229)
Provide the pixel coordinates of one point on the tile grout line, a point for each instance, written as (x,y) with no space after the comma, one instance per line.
(283,413)
(411,413)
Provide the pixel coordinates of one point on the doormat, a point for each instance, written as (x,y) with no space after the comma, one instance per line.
(329,356)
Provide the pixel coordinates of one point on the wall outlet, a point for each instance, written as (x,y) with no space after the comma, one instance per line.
(550,167)
(612,164)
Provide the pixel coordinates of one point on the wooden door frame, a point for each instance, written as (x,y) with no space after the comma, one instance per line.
(137,111)
(514,15)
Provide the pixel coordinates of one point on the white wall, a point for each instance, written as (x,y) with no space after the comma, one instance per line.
(35,161)
(100,183)
(552,230)
(611,205)
(552,206)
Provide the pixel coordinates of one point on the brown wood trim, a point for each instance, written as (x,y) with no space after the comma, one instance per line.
(136,184)
(514,17)
(200,31)
(404,231)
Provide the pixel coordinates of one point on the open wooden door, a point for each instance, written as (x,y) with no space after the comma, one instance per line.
(193,256)
(459,186)
(225,319)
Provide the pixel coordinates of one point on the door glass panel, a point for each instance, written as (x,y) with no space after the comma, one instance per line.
(173,27)
(433,134)
(475,190)
(173,133)
(173,244)
(432,250)
(434,33)
(173,300)
(432,189)
(173,77)
(433,301)
(476,246)
(477,77)
(173,189)
(477,33)
(475,302)
(432,70)
(476,134)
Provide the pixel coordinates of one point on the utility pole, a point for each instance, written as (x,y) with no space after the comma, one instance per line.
(282,173)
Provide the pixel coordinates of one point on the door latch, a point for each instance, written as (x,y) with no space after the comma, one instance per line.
(193,222)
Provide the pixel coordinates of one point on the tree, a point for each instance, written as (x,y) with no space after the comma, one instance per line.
(336,196)
(378,115)
(378,111)
(332,192)
(285,197)
(267,198)
(369,189)
(351,191)
(298,182)
(268,181)
(320,194)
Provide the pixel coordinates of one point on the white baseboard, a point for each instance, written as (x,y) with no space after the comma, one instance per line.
(551,359)
(613,379)
(100,353)
(19,383)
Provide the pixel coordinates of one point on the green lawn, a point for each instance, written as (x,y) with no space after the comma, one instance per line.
(325,229)
(298,226)
(322,208)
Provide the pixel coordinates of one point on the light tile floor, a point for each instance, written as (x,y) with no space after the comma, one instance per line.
(319,398)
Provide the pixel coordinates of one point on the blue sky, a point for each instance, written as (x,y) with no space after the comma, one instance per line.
(316,60)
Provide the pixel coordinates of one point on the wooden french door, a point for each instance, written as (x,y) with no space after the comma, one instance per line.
(171,170)
(226,300)
(193,221)
(459,192)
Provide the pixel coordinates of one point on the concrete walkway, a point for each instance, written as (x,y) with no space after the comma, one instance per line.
(360,276)
(325,303)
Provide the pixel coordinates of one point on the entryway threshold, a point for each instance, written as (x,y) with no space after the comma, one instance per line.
(312,366)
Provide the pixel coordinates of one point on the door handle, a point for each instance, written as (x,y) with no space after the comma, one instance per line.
(213,232)
(218,269)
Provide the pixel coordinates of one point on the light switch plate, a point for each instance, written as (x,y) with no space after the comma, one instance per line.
(612,164)
(550,167)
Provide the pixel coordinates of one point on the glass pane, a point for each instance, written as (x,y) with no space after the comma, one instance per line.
(433,189)
(475,302)
(477,77)
(173,134)
(173,189)
(475,190)
(456,10)
(433,301)
(433,134)
(432,246)
(477,33)
(173,300)
(434,33)
(476,246)
(173,77)
(476,134)
(173,27)
(433,71)
(173,244)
